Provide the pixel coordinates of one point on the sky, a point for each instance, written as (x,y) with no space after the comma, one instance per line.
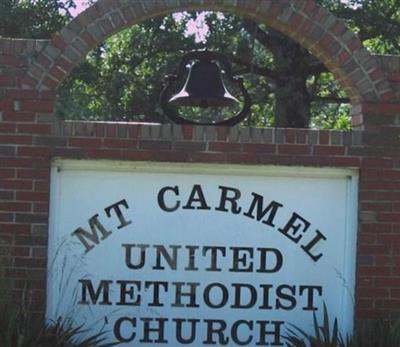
(80,6)
(198,27)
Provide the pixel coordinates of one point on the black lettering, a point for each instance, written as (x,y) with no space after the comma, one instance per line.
(235,335)
(276,333)
(179,337)
(172,260)
(266,291)
(191,294)
(84,236)
(277,255)
(196,196)
(294,225)
(156,291)
(307,248)
(128,256)
(217,330)
(214,256)
(241,262)
(117,329)
(116,208)
(103,289)
(271,209)
(127,288)
(207,295)
(310,296)
(159,330)
(191,258)
(238,295)
(161,199)
(288,297)
(232,199)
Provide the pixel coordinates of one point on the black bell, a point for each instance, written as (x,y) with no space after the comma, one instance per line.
(204,87)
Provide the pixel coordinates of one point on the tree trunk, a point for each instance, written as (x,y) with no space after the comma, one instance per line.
(292,100)
(292,104)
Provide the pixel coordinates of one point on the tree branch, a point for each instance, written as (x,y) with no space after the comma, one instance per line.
(257,33)
(316,69)
(250,67)
(331,99)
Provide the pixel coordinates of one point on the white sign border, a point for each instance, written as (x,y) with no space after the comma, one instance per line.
(347,301)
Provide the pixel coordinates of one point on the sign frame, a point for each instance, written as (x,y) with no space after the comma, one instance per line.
(347,303)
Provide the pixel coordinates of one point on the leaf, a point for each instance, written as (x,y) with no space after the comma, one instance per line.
(323,336)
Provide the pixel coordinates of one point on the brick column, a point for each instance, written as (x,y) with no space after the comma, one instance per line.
(25,119)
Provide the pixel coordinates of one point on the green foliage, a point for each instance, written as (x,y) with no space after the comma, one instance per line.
(372,333)
(62,333)
(38,19)
(376,22)
(378,333)
(122,79)
(323,336)
(331,116)
(19,327)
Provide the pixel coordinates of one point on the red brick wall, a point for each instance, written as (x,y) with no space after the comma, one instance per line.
(30,72)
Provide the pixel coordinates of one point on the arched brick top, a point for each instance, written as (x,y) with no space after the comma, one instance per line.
(303,20)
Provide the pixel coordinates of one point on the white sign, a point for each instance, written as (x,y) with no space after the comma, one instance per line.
(168,254)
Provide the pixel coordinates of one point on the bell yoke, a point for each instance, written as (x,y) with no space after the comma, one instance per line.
(204,88)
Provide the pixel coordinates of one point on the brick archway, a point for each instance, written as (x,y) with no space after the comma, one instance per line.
(306,22)
(31,71)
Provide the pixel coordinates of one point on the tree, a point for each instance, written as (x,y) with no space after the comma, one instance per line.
(290,87)
(304,91)
(377,23)
(37,19)
(122,79)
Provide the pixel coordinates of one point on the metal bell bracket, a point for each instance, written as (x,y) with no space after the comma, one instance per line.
(171,80)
